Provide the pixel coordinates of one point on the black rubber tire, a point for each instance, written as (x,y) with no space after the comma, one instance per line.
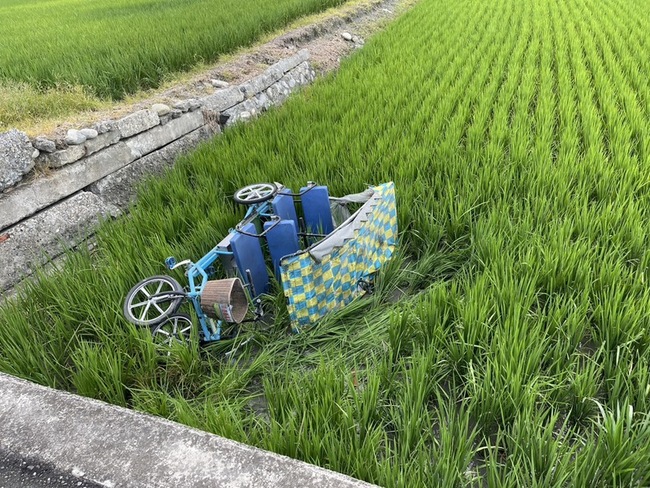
(176,328)
(169,284)
(272,191)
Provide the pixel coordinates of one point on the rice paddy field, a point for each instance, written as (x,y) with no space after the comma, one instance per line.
(507,344)
(62,56)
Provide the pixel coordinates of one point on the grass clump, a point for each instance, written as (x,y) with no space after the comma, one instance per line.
(22,103)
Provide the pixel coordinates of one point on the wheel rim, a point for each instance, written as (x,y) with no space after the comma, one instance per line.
(146,307)
(174,330)
(256,191)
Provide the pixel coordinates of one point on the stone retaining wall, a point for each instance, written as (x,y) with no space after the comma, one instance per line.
(53,192)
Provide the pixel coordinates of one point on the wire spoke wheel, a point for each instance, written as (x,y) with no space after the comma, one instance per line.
(175,330)
(153,300)
(255,193)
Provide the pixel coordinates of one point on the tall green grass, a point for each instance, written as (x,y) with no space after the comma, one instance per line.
(508,343)
(113,48)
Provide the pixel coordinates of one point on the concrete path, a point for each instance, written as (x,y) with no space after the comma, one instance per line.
(18,472)
(117,447)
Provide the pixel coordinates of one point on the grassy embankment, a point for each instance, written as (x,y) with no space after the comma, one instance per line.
(518,134)
(63,56)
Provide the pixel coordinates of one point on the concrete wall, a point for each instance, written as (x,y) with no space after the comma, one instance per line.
(116,447)
(54,192)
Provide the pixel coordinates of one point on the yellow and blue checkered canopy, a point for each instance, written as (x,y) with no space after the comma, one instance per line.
(326,276)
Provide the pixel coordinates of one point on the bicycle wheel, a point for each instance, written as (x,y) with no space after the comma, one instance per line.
(153,300)
(176,329)
(256,193)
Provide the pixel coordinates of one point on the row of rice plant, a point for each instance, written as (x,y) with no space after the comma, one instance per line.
(509,341)
(113,48)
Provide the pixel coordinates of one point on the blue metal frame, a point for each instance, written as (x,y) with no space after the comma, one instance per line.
(212,328)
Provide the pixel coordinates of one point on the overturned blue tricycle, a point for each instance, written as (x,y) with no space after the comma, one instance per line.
(323,254)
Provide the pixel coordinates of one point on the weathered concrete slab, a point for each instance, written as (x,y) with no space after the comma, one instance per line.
(101,141)
(188,105)
(241,112)
(35,241)
(164,134)
(16,157)
(121,448)
(288,64)
(223,99)
(28,199)
(61,158)
(137,122)
(260,83)
(119,188)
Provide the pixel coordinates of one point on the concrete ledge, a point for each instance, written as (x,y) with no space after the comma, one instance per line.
(223,99)
(47,235)
(110,165)
(119,143)
(26,200)
(116,447)
(261,82)
(119,189)
(160,136)
(137,122)
(288,64)
(61,158)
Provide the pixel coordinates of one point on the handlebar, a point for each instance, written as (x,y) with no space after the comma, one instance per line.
(185,262)
(310,185)
(274,218)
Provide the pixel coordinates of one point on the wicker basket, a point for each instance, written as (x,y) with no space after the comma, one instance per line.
(225,300)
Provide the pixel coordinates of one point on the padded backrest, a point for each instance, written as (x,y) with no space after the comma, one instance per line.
(282,240)
(284,207)
(248,256)
(316,210)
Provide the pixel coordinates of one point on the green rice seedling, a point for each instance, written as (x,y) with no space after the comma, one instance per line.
(427,322)
(26,352)
(625,378)
(312,413)
(155,402)
(468,341)
(618,452)
(583,390)
(455,445)
(98,373)
(537,450)
(412,420)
